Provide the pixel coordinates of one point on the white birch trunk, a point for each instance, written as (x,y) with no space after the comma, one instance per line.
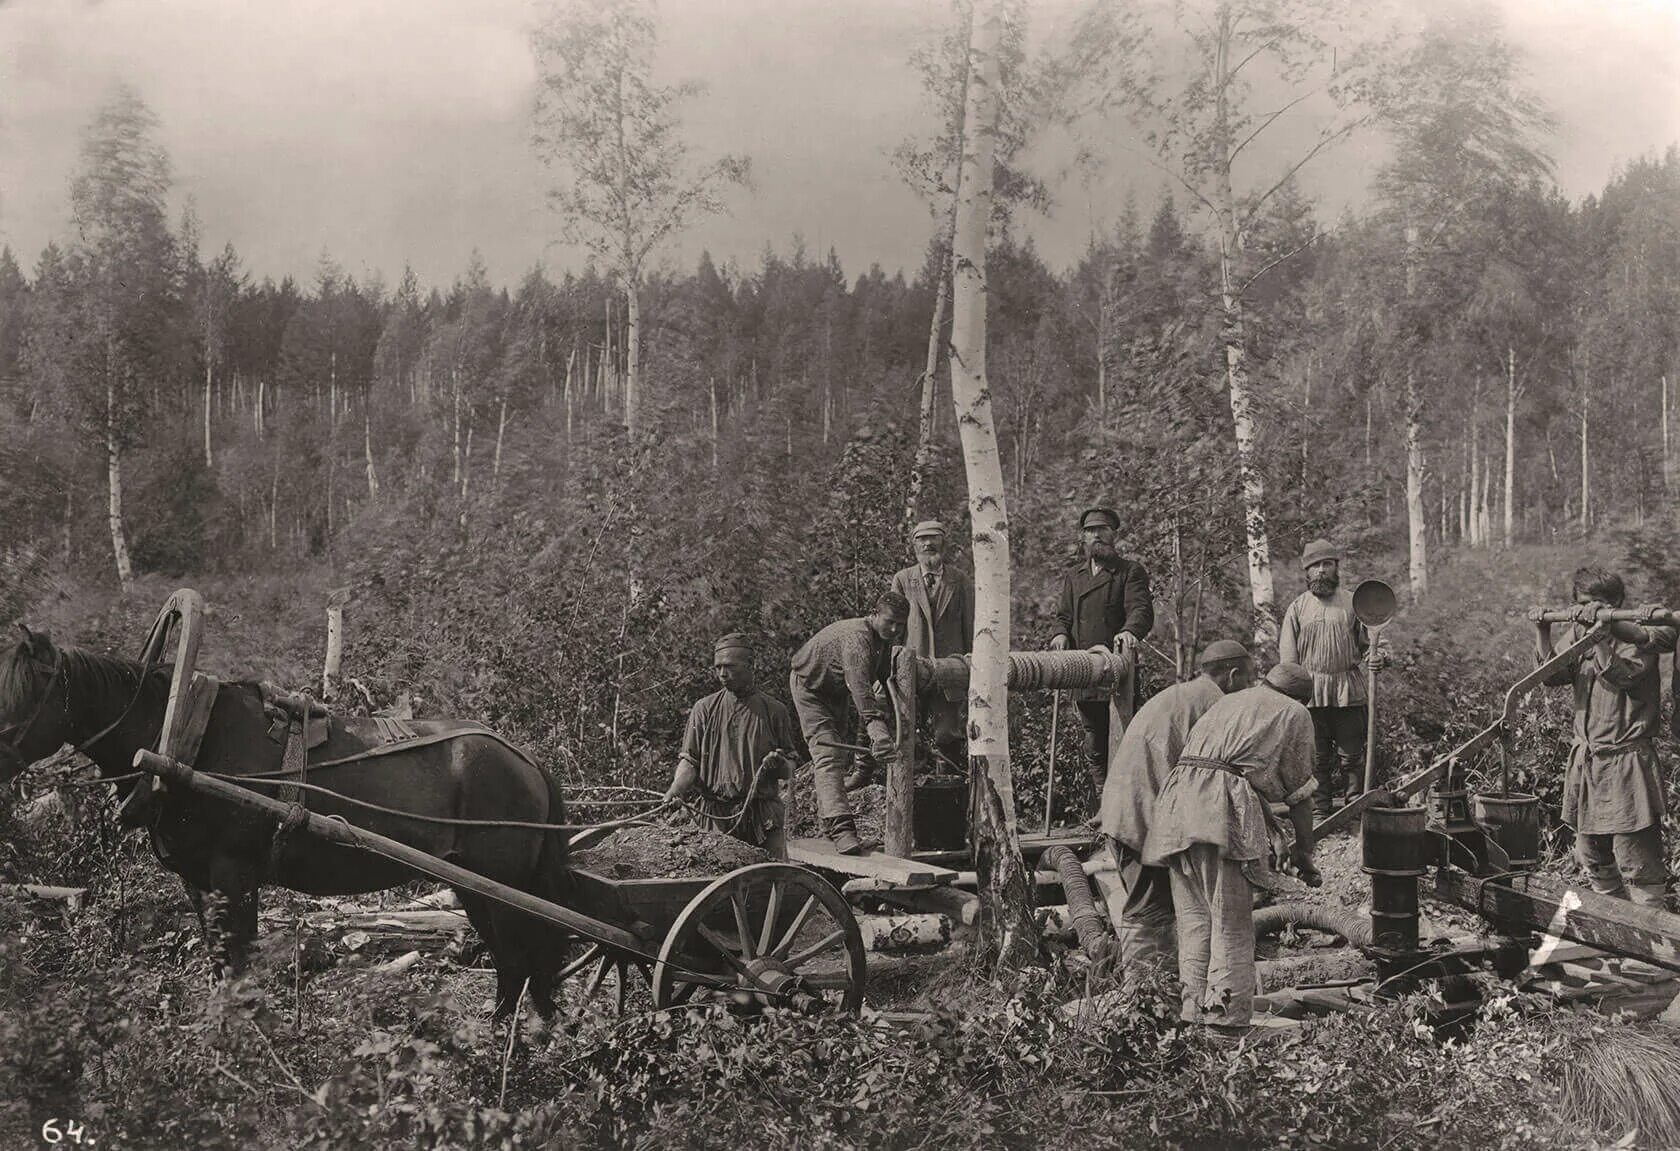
(455,449)
(113,476)
(632,353)
(1473,535)
(1260,584)
(1005,896)
(367,447)
(1510,445)
(1417,527)
(209,398)
(501,434)
(1667,467)
(257,412)
(331,667)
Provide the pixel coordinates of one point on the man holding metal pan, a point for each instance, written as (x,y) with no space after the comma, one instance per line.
(1322,633)
(1612,790)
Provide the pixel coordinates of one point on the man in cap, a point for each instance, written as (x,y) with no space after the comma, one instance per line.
(839,667)
(1213,831)
(941,623)
(1321,633)
(1612,788)
(1105,602)
(734,735)
(1140,898)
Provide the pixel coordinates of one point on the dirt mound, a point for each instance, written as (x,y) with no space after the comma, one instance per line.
(869,805)
(664,851)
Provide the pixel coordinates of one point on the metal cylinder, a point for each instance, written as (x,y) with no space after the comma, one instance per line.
(1392,931)
(1392,841)
(939,815)
(1449,809)
(1395,894)
(1513,822)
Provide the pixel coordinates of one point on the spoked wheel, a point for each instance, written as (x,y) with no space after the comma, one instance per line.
(607,967)
(772,933)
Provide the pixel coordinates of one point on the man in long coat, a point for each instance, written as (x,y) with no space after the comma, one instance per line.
(1612,788)
(1139,897)
(1214,832)
(737,738)
(1321,633)
(1105,602)
(941,623)
(838,669)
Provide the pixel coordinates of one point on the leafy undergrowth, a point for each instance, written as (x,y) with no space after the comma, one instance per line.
(110,1018)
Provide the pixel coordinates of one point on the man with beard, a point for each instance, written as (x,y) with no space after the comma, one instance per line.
(1140,898)
(1214,832)
(1321,633)
(1104,603)
(836,669)
(732,734)
(941,623)
(1612,790)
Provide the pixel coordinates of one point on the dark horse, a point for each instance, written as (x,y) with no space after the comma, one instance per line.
(50,696)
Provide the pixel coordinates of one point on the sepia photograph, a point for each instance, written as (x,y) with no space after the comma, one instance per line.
(848,574)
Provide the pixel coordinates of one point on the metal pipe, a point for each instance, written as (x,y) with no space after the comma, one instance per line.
(1587,614)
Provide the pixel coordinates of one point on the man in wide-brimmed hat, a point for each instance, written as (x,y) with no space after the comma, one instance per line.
(738,746)
(1105,602)
(1214,833)
(1321,633)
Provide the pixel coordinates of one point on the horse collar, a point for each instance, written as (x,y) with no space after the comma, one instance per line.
(23,729)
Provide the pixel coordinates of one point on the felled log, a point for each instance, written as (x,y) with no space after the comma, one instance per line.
(71,897)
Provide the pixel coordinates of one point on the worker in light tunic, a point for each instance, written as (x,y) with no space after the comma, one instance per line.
(1321,633)
(1140,902)
(838,669)
(732,735)
(1612,790)
(1213,832)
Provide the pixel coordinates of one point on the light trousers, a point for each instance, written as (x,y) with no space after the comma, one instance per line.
(1214,905)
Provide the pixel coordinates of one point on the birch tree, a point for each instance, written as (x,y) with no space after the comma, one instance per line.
(125,253)
(1005,896)
(1195,127)
(611,135)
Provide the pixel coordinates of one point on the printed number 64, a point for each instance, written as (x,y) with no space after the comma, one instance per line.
(53,1134)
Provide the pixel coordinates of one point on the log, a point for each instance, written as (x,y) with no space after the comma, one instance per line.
(917,931)
(390,922)
(1543,903)
(71,897)
(901,771)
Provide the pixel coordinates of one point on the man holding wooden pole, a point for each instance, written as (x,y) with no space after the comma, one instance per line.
(1612,790)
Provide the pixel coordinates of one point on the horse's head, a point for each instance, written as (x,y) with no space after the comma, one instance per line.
(30,678)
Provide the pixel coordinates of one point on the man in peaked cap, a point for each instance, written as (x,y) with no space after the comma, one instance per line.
(1214,832)
(1140,898)
(1321,633)
(837,669)
(733,735)
(1105,602)
(941,623)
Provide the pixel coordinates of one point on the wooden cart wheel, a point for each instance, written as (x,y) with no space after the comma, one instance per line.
(773,929)
(601,961)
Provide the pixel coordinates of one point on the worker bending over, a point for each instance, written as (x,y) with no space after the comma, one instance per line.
(838,669)
(1213,832)
(1140,904)
(1612,791)
(733,735)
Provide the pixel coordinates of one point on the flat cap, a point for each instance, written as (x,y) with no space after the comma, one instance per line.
(928,528)
(1318,551)
(1220,650)
(1108,514)
(895,605)
(1292,680)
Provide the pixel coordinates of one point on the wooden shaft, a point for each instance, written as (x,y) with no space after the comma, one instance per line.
(1050,776)
(1421,779)
(1370,726)
(1545,903)
(901,771)
(1604,615)
(348,835)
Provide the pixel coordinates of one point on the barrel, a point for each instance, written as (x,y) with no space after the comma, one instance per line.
(1513,822)
(1392,841)
(939,815)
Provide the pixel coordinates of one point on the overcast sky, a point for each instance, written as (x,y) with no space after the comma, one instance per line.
(386,131)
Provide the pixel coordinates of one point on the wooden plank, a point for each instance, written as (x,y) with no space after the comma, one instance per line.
(1544,903)
(901,771)
(820,854)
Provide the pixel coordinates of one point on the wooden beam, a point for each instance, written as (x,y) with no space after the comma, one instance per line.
(1543,903)
(901,772)
(820,853)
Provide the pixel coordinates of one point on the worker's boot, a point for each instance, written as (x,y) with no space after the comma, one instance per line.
(842,832)
(860,776)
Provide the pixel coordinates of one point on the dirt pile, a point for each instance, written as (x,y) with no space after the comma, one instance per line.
(869,805)
(667,852)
